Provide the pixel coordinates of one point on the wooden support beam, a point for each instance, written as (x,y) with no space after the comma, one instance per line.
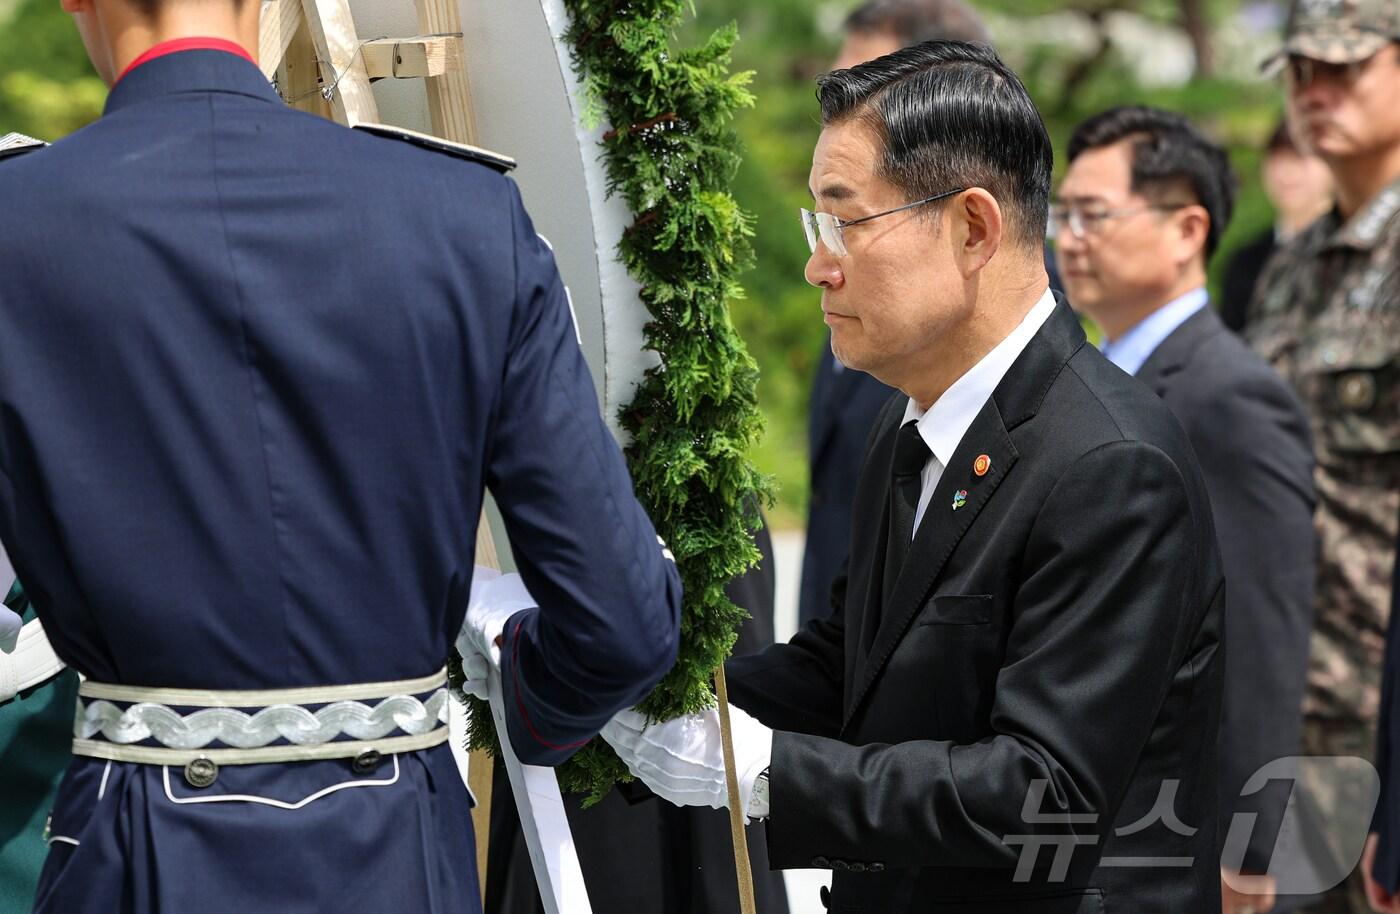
(409,58)
(299,78)
(342,65)
(279,23)
(449,95)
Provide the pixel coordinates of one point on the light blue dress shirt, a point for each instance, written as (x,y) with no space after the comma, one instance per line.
(1133,348)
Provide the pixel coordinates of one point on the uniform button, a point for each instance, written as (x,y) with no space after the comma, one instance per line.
(366,762)
(857,867)
(840,865)
(201,773)
(875,868)
(821,863)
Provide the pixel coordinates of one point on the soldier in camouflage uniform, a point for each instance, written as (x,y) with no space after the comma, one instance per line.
(1326,314)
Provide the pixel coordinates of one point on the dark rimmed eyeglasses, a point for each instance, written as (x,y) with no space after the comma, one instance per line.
(831,230)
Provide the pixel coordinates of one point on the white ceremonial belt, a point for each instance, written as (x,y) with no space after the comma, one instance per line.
(181,726)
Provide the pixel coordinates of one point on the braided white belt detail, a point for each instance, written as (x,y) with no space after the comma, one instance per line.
(238,730)
(103,730)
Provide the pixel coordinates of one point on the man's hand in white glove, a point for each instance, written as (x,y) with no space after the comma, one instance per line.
(682,760)
(494,599)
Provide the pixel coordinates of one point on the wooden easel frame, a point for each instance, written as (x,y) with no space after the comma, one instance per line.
(321,65)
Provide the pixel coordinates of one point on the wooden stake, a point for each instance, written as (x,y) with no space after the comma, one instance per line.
(449,95)
(737,819)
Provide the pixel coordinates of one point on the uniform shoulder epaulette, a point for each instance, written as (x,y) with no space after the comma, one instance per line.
(501,163)
(17,144)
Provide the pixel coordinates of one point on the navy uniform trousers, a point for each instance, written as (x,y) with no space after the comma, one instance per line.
(256,371)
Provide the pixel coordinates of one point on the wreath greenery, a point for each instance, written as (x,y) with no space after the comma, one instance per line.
(671,153)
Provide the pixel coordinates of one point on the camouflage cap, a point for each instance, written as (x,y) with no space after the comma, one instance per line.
(1337,31)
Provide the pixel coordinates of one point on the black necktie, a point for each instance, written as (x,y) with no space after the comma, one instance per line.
(911,454)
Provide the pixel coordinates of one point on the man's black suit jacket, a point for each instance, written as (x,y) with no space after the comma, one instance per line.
(1250,434)
(1053,648)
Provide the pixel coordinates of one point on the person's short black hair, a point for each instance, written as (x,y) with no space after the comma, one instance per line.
(950,114)
(917,21)
(1169,156)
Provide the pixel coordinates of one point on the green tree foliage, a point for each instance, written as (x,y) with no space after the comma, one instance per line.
(671,154)
(47,86)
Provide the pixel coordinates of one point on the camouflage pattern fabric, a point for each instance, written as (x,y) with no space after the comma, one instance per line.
(1340,31)
(1326,315)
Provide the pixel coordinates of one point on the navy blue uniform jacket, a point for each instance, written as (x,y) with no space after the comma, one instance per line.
(256,371)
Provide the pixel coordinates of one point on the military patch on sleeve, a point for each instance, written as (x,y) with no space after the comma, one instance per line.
(501,163)
(17,144)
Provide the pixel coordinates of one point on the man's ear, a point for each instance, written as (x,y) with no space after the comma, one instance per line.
(75,6)
(1192,230)
(983,226)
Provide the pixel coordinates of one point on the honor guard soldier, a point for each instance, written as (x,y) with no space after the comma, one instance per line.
(256,372)
(1326,315)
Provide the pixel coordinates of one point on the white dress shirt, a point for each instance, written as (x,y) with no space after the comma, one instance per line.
(943,424)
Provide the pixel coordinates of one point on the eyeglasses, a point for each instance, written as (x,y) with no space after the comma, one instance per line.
(831,230)
(1083,222)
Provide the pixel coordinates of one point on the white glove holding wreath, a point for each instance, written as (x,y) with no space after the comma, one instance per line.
(681,759)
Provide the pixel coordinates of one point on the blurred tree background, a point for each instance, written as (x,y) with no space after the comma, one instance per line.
(47,87)
(1077,57)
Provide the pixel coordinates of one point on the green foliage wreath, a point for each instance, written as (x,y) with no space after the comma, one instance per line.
(671,153)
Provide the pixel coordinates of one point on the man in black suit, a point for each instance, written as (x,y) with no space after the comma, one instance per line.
(1144,202)
(1015,705)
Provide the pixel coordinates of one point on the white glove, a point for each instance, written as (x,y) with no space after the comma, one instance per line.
(495,598)
(682,760)
(10,624)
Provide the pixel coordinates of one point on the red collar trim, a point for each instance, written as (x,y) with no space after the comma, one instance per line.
(177,45)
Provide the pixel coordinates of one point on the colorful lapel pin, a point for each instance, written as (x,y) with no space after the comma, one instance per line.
(982,464)
(959,499)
